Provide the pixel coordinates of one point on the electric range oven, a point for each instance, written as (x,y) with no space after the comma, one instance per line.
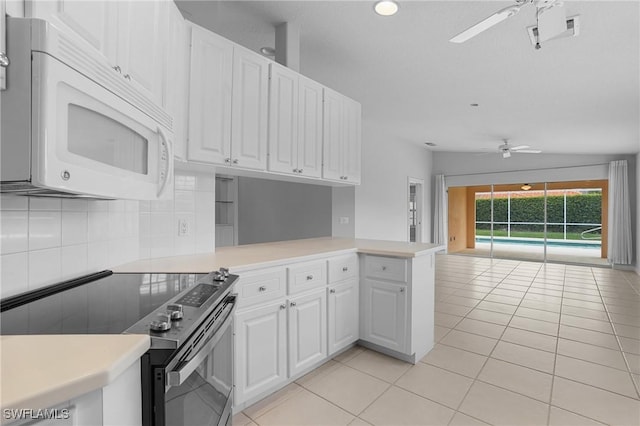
(187,374)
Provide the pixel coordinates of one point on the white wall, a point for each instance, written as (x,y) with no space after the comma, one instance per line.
(46,240)
(637,214)
(381,201)
(343,204)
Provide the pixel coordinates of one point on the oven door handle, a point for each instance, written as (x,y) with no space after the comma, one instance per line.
(178,376)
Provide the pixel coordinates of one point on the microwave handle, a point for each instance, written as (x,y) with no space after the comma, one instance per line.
(168,161)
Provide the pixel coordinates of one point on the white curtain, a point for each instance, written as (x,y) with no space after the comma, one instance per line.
(619,224)
(439,211)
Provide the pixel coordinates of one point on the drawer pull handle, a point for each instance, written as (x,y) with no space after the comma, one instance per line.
(283,306)
(262,288)
(293,303)
(309,277)
(345,269)
(401,289)
(333,290)
(384,268)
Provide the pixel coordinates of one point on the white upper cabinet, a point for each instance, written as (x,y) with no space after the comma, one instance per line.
(142,30)
(310,128)
(210,97)
(176,80)
(283,119)
(92,22)
(295,123)
(342,138)
(128,35)
(249,110)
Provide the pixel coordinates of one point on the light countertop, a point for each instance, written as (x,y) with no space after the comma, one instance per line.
(41,371)
(267,254)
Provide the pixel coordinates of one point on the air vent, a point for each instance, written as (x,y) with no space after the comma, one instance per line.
(573,29)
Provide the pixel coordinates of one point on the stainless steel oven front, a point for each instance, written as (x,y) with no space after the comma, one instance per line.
(195,387)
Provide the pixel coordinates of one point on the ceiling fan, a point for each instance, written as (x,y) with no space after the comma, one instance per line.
(542,7)
(506,150)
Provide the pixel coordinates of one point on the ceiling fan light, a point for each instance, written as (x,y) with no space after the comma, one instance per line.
(506,153)
(525,187)
(386,7)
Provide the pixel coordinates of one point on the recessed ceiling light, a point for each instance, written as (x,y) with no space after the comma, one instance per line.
(386,7)
(475,105)
(430,144)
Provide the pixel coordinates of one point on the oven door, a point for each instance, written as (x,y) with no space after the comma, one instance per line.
(198,389)
(87,140)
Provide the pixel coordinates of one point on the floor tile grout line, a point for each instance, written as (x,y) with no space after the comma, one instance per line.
(475,379)
(551,405)
(555,358)
(626,361)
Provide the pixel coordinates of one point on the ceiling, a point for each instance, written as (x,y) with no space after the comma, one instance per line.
(575,95)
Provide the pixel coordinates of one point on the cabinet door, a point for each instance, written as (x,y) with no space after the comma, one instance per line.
(142,26)
(352,141)
(90,22)
(385,314)
(332,136)
(310,128)
(250,103)
(307,331)
(283,119)
(260,350)
(210,98)
(176,82)
(343,315)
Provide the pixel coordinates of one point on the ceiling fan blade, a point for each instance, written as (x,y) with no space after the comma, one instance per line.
(529,151)
(487,23)
(519,147)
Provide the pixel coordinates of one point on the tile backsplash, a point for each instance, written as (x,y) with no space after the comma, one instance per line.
(47,240)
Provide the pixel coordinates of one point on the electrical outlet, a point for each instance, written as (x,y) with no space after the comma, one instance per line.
(183,227)
(344,220)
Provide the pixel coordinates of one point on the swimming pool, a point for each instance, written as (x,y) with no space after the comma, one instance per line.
(540,242)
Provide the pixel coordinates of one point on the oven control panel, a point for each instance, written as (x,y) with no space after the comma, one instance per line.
(173,322)
(197,295)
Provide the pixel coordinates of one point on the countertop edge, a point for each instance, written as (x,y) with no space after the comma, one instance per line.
(47,395)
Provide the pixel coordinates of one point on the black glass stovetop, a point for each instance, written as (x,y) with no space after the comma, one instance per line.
(106,305)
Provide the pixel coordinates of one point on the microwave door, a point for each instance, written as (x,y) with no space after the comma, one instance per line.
(87,140)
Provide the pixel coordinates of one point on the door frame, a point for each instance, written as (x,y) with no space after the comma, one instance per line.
(419,183)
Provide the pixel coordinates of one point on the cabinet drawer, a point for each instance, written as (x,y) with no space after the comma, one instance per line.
(386,268)
(306,276)
(343,267)
(261,286)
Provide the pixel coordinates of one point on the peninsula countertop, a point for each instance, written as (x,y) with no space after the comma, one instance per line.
(267,254)
(41,371)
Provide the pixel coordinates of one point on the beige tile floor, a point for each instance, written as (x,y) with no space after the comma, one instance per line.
(516,343)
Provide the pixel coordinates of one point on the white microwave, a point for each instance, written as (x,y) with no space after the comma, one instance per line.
(72,126)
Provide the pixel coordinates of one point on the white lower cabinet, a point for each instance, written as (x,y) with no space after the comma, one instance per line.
(343,316)
(385,314)
(307,330)
(118,403)
(260,350)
